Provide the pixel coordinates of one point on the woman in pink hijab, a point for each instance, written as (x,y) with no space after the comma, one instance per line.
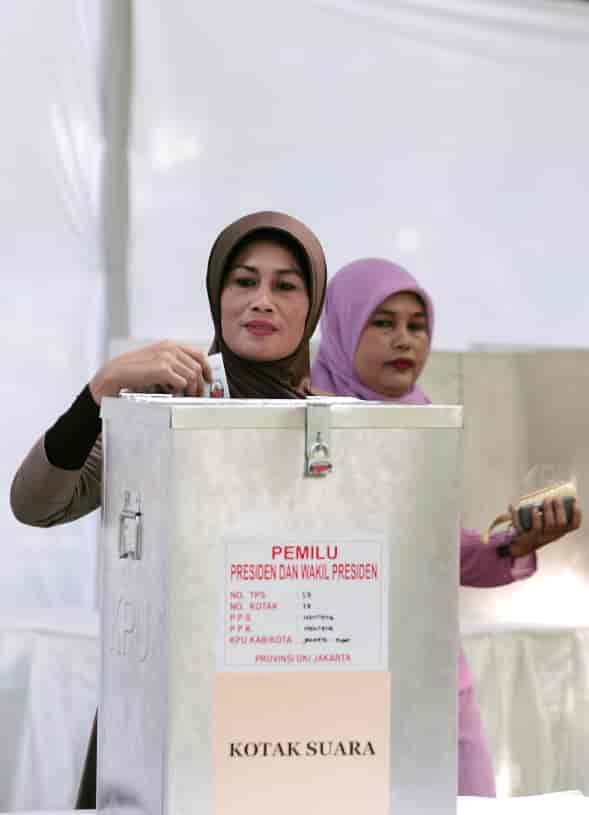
(376,333)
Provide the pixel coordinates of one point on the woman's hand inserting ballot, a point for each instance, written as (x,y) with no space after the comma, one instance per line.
(176,368)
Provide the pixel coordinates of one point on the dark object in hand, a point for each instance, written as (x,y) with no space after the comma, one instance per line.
(525,517)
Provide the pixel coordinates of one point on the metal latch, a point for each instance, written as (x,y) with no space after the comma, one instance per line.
(130,536)
(317,450)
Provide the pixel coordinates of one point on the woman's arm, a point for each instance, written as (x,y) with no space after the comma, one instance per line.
(60,479)
(45,495)
(488,565)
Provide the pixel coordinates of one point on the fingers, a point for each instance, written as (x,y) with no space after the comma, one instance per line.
(549,523)
(577,517)
(195,369)
(549,517)
(187,361)
(199,358)
(173,382)
(555,516)
(175,363)
(537,521)
(140,375)
(560,516)
(555,519)
(179,369)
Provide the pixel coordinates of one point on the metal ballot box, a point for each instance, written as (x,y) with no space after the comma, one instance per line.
(279,607)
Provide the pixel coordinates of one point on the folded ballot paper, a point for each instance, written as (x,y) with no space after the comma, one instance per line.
(557,803)
(219,387)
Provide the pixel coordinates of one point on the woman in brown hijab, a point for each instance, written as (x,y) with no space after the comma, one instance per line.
(266,282)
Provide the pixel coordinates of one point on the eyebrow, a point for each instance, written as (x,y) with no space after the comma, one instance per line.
(288,270)
(392,313)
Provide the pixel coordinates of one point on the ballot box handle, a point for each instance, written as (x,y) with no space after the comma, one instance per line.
(130,527)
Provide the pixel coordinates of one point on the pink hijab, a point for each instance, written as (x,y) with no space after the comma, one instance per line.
(352,295)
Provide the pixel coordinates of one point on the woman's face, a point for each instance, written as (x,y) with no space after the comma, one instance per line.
(393,346)
(264,302)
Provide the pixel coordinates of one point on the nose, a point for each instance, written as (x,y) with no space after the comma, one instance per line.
(263,299)
(401,338)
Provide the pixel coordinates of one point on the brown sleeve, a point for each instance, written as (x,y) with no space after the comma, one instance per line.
(45,495)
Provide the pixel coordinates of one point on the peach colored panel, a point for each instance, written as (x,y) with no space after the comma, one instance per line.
(271,708)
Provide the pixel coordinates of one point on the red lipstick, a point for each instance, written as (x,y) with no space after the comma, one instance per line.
(402,364)
(260,328)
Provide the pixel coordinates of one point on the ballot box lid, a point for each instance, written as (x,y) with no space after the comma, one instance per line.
(185,413)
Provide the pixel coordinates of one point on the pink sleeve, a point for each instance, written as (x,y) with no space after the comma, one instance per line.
(482,566)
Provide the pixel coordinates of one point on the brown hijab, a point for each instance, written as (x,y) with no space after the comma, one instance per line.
(285,378)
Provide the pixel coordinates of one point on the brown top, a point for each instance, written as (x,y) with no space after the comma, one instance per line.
(45,495)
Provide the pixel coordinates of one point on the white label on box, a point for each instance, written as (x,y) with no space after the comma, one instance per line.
(316,604)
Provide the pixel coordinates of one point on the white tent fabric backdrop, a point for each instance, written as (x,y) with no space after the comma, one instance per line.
(450,136)
(51,321)
(49,666)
